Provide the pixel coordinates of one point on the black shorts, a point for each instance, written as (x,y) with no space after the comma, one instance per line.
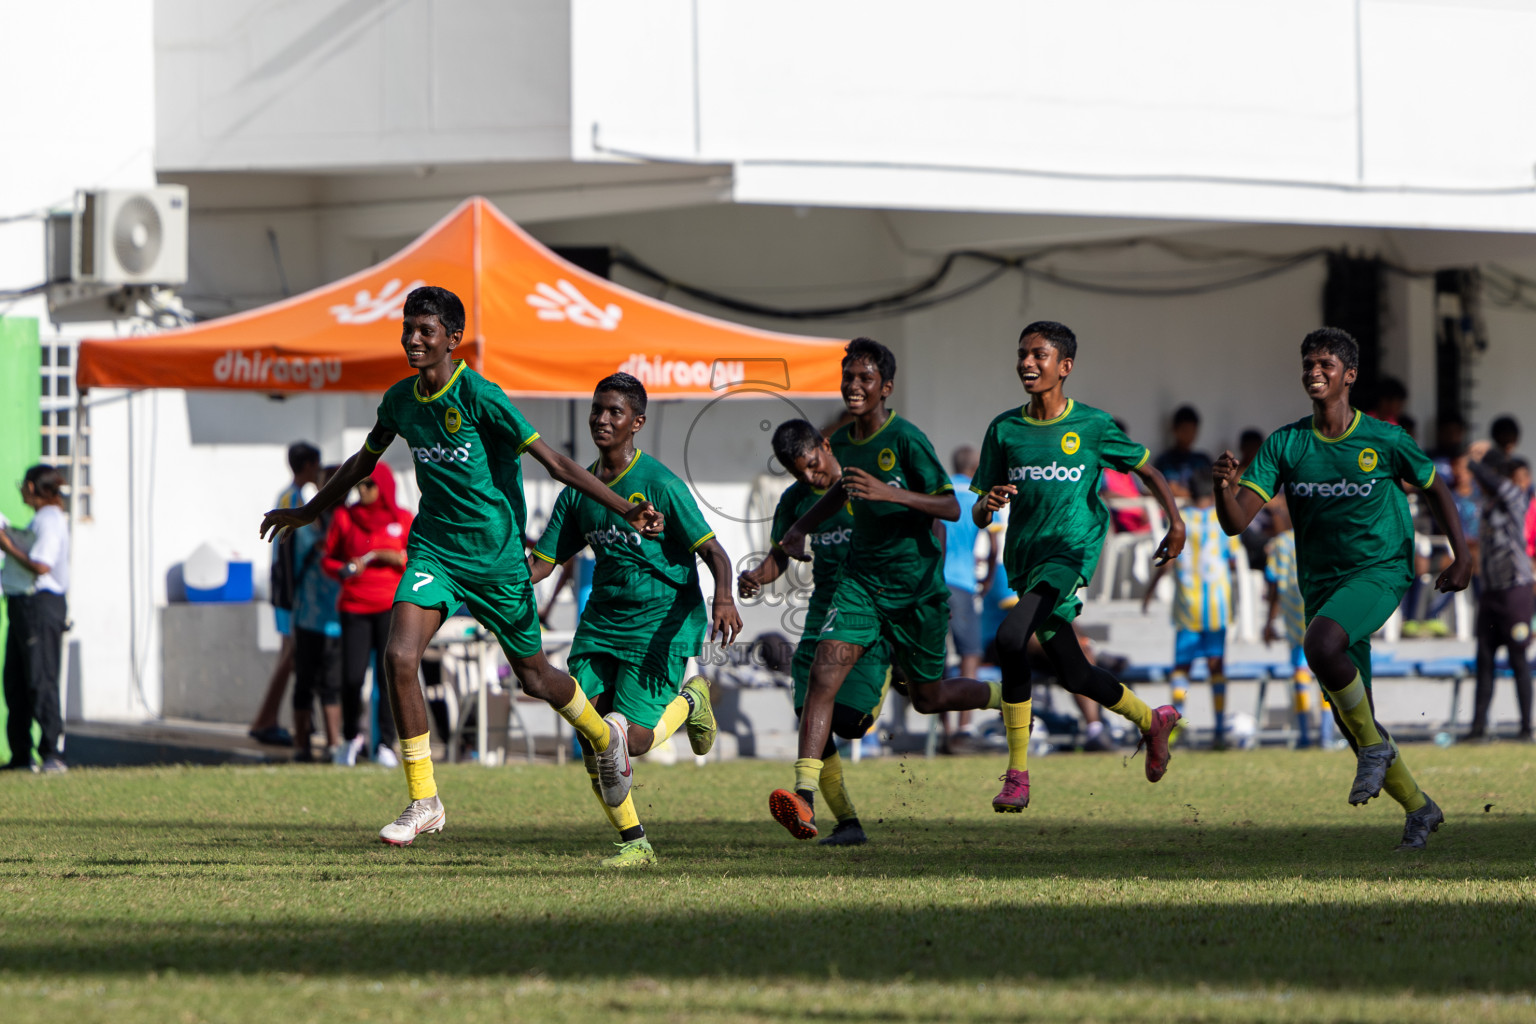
(1504,616)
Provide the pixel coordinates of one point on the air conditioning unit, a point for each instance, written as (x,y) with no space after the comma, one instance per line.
(129,237)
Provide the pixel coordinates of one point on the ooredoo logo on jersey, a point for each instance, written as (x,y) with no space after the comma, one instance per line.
(1329,489)
(437,453)
(1055,472)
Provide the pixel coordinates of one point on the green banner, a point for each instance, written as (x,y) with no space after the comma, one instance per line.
(19,411)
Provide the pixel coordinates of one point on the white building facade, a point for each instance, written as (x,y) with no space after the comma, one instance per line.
(1167,179)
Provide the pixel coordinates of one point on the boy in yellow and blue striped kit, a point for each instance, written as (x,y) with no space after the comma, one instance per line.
(1202,603)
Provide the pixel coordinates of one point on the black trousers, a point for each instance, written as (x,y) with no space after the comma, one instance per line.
(1503,620)
(316,669)
(34,649)
(1073,671)
(361,636)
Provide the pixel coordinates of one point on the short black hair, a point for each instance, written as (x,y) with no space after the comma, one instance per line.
(1505,426)
(1453,419)
(302,454)
(1390,388)
(1333,341)
(1186,414)
(794,440)
(46,480)
(880,357)
(626,385)
(430,300)
(1202,483)
(1513,464)
(1252,435)
(1058,334)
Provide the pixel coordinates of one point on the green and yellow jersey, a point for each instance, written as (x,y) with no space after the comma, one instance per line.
(893,547)
(466,441)
(830,545)
(1057,517)
(646,605)
(1349,514)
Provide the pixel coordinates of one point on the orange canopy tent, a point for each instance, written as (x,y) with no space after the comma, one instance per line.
(537,325)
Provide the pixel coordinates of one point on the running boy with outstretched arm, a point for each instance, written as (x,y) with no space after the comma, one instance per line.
(1339,471)
(801,449)
(1043,460)
(466,543)
(645,617)
(892,585)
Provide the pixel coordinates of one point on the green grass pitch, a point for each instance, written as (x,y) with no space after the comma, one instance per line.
(1240,888)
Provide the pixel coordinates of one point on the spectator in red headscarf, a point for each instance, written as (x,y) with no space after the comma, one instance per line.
(365,550)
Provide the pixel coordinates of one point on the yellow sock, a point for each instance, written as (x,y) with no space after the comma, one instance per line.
(1400,785)
(1016,723)
(808,774)
(1179,684)
(585,719)
(1356,712)
(1133,708)
(1303,693)
(621,817)
(672,719)
(995,696)
(416,758)
(833,789)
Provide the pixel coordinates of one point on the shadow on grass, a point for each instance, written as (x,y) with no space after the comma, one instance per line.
(1429,947)
(1488,848)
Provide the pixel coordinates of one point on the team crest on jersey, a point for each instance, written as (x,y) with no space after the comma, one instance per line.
(1368,459)
(1070,442)
(636,498)
(452,420)
(887,459)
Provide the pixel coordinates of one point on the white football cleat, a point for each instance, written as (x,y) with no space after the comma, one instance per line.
(421,816)
(615,773)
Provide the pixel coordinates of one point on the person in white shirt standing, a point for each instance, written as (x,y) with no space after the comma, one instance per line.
(35,642)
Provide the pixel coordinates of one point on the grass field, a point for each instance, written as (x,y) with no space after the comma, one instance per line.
(1241,888)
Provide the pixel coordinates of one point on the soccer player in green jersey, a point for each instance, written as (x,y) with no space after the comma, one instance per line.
(1339,472)
(1044,460)
(466,545)
(892,583)
(645,617)
(801,449)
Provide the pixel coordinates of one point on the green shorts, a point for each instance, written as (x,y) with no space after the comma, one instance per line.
(1360,605)
(915,626)
(506,609)
(1066,580)
(863,689)
(639,696)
